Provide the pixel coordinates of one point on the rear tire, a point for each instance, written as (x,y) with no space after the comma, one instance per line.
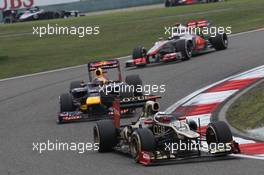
(56,15)
(135,81)
(66,103)
(142,140)
(220,41)
(75,84)
(167,3)
(7,20)
(105,135)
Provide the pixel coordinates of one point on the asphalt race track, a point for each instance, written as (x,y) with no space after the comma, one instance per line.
(28,108)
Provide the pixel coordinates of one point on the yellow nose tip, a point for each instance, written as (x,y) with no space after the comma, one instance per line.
(93,101)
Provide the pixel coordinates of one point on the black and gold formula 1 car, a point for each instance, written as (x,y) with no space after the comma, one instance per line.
(157,138)
(93,100)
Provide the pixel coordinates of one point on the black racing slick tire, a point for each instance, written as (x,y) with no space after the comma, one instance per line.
(218,132)
(220,41)
(185,47)
(7,20)
(105,135)
(139,52)
(167,3)
(135,81)
(75,84)
(142,139)
(66,103)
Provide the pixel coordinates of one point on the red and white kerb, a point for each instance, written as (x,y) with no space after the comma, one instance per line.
(203,105)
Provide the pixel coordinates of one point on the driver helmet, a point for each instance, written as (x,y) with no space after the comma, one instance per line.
(100,77)
(150,109)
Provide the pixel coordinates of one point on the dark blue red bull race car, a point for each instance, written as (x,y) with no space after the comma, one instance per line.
(93,100)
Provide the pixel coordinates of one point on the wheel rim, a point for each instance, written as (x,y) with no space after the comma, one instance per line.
(96,135)
(225,41)
(135,147)
(211,135)
(189,50)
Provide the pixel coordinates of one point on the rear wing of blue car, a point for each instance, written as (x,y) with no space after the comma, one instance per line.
(109,64)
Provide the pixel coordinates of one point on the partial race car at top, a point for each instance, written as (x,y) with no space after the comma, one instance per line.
(12,16)
(93,100)
(72,13)
(181,46)
(157,138)
(170,3)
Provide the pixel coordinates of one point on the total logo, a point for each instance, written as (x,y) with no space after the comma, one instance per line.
(16,4)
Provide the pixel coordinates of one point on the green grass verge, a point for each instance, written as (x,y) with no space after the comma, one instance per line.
(120,33)
(248,111)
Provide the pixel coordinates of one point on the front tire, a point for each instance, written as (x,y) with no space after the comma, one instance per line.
(218,132)
(105,135)
(140,52)
(141,140)
(66,103)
